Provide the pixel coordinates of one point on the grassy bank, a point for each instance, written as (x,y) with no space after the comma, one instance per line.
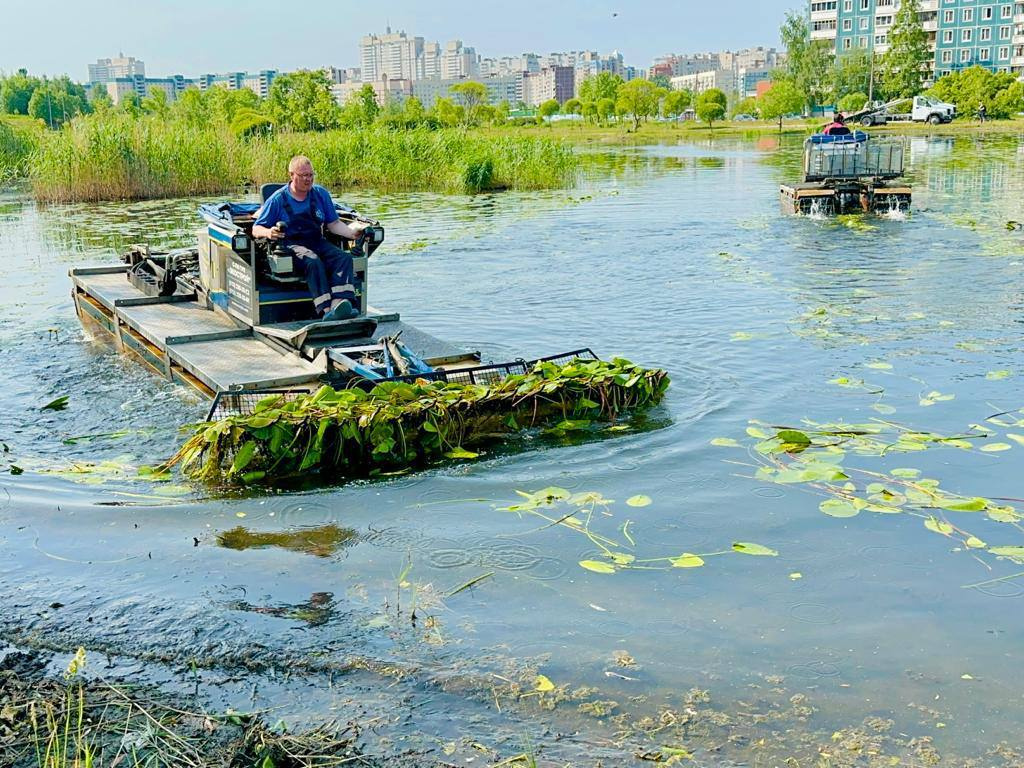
(579,133)
(115,157)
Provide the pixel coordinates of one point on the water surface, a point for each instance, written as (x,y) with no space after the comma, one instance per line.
(338,601)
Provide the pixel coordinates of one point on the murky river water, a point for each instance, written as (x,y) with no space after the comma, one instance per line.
(674,256)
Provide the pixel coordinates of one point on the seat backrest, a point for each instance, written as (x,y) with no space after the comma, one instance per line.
(266,190)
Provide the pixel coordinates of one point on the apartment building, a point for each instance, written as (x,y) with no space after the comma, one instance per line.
(257,82)
(698,82)
(557,82)
(509,65)
(109,70)
(961,33)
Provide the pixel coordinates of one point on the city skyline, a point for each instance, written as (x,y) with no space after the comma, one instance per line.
(217,38)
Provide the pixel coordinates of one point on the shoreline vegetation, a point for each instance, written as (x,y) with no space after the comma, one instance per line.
(76,147)
(118,157)
(124,157)
(73,146)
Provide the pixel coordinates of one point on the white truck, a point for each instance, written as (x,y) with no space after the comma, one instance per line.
(920,109)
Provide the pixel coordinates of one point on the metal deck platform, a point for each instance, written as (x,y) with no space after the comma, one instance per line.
(183,340)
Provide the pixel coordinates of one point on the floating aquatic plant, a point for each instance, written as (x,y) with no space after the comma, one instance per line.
(578,512)
(814,455)
(400,424)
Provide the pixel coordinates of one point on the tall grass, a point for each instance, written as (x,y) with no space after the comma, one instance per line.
(114,157)
(111,157)
(19,138)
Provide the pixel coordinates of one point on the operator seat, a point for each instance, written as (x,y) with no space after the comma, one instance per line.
(266,190)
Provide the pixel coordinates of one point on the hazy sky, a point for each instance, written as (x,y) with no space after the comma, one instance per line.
(189,37)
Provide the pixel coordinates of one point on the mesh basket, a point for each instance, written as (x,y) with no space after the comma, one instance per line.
(243,402)
(491,373)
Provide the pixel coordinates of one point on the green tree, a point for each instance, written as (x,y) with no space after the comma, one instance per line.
(662,81)
(99,98)
(903,64)
(747,106)
(676,102)
(129,104)
(852,72)
(603,85)
(572,107)
(155,103)
(605,109)
(448,113)
(413,111)
(781,99)
(249,122)
(501,111)
(852,102)
(640,99)
(302,101)
(471,95)
(711,105)
(190,107)
(16,92)
(589,111)
(222,104)
(1000,92)
(57,101)
(809,63)
(547,109)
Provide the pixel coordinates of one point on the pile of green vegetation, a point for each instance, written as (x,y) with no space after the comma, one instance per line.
(401,424)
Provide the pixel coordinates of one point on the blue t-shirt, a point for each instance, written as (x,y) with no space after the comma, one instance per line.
(274,211)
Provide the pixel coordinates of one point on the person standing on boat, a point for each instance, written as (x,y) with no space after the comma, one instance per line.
(306,208)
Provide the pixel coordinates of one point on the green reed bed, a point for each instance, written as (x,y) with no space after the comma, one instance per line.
(19,138)
(397,425)
(115,157)
(453,161)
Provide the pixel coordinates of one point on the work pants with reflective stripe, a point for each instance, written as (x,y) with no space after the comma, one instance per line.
(328,271)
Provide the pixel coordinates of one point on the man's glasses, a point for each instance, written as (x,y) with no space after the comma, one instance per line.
(304,175)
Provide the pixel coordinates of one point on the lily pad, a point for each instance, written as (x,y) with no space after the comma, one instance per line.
(638,501)
(748,548)
(838,508)
(996,447)
(725,442)
(687,560)
(597,566)
(939,526)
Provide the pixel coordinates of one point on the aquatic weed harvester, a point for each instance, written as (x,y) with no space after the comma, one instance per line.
(848,174)
(293,393)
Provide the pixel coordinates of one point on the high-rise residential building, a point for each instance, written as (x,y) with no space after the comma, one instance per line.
(458,61)
(346,75)
(510,65)
(740,72)
(108,70)
(395,55)
(962,33)
(557,82)
(673,64)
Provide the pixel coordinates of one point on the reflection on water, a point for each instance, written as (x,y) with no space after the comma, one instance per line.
(321,541)
(441,602)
